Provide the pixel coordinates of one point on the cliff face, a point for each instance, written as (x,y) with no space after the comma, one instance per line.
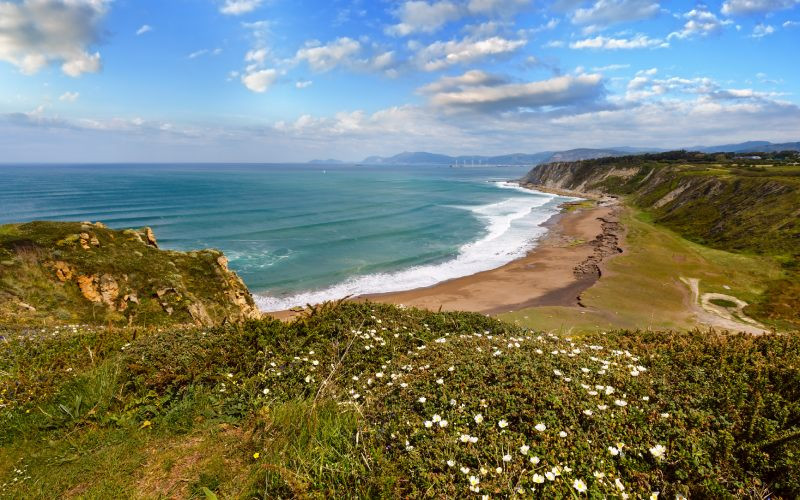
(722,202)
(83,272)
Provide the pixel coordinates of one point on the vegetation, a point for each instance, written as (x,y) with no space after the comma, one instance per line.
(60,272)
(741,203)
(364,400)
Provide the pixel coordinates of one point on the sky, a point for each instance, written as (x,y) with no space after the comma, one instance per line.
(295,80)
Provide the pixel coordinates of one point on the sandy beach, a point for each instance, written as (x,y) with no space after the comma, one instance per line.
(565,262)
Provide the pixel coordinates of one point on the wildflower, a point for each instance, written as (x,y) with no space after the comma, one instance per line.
(538,478)
(621,402)
(556,471)
(540,427)
(579,485)
(422,399)
(443,423)
(464,438)
(408,446)
(506,458)
(452,402)
(403,385)
(265,391)
(474,481)
(535,460)
(613,450)
(665,415)
(451,463)
(473,439)
(524,449)
(599,475)
(478,418)
(146,423)
(256,455)
(634,373)
(428,424)
(502,424)
(356,396)
(379,374)
(230,375)
(654,495)
(609,390)
(483,471)
(562,434)
(557,373)
(436,417)
(645,398)
(602,407)
(550,476)
(658,451)
(465,470)
(308,379)
(619,485)
(588,413)
(452,368)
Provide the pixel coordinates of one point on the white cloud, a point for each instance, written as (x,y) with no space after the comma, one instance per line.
(203,52)
(69,96)
(604,13)
(326,57)
(606,43)
(790,24)
(34,33)
(700,22)
(611,67)
(484,93)
(303,84)
(144,29)
(260,80)
(239,7)
(498,7)
(440,55)
(739,7)
(762,30)
(421,16)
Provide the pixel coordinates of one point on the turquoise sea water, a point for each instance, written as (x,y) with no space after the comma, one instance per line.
(301,233)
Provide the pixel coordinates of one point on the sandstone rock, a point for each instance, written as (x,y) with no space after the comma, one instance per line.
(199,314)
(160,293)
(223,262)
(134,235)
(94,241)
(100,225)
(109,289)
(27,307)
(63,271)
(84,240)
(150,238)
(88,286)
(131,297)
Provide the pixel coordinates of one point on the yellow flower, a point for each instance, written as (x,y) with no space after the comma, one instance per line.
(256,455)
(146,423)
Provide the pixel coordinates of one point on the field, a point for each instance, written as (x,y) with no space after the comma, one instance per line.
(641,288)
(365,400)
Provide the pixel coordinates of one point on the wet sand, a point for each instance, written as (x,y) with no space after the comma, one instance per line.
(564,263)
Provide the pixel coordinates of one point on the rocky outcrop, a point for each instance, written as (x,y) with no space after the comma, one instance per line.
(150,238)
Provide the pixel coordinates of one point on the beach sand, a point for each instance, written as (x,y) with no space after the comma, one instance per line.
(545,277)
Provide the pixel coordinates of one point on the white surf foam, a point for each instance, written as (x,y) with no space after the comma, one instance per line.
(512,228)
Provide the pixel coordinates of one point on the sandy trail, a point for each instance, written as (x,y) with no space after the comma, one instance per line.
(719,317)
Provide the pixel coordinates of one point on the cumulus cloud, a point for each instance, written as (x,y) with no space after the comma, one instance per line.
(497,7)
(603,13)
(700,22)
(421,16)
(144,29)
(761,30)
(69,96)
(326,57)
(440,55)
(607,43)
(484,93)
(239,7)
(35,33)
(744,7)
(260,80)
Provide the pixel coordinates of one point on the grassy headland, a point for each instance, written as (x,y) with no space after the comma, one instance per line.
(365,400)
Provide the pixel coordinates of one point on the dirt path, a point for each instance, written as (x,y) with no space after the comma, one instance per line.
(720,317)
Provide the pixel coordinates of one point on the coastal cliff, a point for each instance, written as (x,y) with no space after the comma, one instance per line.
(88,273)
(747,204)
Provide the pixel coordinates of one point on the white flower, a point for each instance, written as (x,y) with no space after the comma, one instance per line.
(265,391)
(665,415)
(502,424)
(308,379)
(452,402)
(379,374)
(506,458)
(535,460)
(474,481)
(609,390)
(484,471)
(443,423)
(540,427)
(619,485)
(451,368)
(538,478)
(550,476)
(634,373)
(524,449)
(613,450)
(478,418)
(599,475)
(465,470)
(557,373)
(588,413)
(436,417)
(451,463)
(621,402)
(645,398)
(440,381)
(602,407)
(579,485)
(473,439)
(428,424)
(562,434)
(658,451)
(422,399)
(356,396)
(654,495)
(464,438)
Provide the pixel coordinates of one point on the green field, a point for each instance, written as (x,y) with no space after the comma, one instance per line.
(641,288)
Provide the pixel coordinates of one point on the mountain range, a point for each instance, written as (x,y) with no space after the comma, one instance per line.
(425,158)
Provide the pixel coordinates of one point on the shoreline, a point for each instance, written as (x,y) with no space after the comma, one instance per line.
(565,262)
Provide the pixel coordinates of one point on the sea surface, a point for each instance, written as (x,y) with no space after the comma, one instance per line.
(302,234)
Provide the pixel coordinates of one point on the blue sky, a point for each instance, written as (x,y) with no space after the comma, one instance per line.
(280,80)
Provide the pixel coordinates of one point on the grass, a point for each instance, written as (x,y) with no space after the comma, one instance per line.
(641,288)
(367,400)
(723,303)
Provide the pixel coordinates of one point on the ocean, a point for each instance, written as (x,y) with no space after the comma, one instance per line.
(298,233)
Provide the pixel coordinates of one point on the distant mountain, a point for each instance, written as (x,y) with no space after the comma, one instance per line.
(329,161)
(749,147)
(591,154)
